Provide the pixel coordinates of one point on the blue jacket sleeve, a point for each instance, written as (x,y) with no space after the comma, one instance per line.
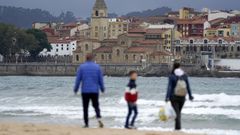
(78,80)
(188,88)
(100,79)
(169,89)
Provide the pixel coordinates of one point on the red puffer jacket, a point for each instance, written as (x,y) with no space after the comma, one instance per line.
(131,95)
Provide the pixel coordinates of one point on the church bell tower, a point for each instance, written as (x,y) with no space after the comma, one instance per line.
(99,21)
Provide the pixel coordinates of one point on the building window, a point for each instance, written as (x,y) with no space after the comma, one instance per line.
(102,57)
(177,41)
(56,50)
(62,48)
(67,48)
(126,57)
(96,13)
(122,43)
(96,34)
(118,52)
(86,47)
(134,57)
(220,41)
(57,45)
(109,56)
(77,57)
(96,28)
(238,48)
(205,41)
(191,41)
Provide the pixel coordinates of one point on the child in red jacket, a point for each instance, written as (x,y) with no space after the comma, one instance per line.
(131,96)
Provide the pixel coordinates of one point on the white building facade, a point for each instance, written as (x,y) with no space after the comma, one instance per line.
(61,48)
(218,14)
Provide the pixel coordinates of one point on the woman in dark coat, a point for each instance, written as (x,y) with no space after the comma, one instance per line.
(176,100)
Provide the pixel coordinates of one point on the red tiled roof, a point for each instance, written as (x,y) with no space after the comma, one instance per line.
(49,30)
(191,21)
(155,31)
(139,49)
(137,30)
(71,24)
(104,49)
(218,20)
(135,35)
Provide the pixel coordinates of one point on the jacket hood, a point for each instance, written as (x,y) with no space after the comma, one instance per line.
(179,72)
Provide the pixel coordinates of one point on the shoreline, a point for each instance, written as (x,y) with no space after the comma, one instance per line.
(15,128)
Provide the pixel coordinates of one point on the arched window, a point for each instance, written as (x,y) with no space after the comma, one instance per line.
(126,57)
(134,57)
(118,52)
(77,57)
(86,47)
(102,57)
(96,13)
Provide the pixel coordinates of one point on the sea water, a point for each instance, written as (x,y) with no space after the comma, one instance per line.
(215,109)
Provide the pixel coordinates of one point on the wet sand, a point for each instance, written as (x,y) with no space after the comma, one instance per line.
(44,129)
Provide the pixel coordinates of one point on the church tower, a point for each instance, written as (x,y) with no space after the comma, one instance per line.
(99,21)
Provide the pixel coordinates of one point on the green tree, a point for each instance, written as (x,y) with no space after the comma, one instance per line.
(8,38)
(41,42)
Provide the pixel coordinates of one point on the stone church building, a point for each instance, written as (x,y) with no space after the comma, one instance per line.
(113,43)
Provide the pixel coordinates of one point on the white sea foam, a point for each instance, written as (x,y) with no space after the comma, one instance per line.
(205,100)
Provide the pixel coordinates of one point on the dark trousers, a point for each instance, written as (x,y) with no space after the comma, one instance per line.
(132,108)
(177,104)
(86,98)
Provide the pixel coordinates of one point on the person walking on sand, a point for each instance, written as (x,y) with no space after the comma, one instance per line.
(178,87)
(131,96)
(89,75)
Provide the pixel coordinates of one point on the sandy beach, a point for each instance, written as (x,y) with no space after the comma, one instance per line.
(43,129)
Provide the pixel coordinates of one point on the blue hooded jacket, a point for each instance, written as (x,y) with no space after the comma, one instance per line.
(173,78)
(89,75)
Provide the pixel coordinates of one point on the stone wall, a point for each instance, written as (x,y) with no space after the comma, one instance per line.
(109,70)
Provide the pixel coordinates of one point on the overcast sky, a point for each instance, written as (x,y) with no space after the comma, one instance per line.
(82,8)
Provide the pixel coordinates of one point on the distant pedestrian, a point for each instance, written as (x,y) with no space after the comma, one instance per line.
(89,76)
(131,96)
(178,87)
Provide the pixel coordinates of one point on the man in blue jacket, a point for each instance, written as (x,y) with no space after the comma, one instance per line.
(90,77)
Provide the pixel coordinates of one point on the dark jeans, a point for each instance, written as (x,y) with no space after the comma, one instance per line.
(177,104)
(86,97)
(132,108)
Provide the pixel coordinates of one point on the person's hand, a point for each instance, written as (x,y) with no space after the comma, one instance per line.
(191,98)
(75,92)
(166,100)
(103,91)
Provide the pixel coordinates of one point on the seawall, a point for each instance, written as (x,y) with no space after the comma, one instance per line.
(37,69)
